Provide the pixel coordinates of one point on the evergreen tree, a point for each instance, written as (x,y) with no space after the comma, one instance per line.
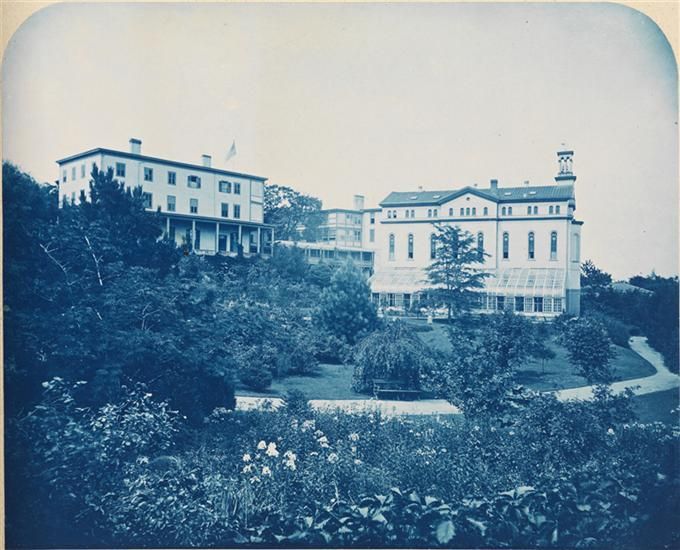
(345,307)
(589,349)
(456,272)
(593,277)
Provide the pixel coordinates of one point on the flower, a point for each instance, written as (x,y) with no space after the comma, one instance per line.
(353,449)
(323,441)
(262,445)
(254,479)
(266,471)
(308,425)
(247,469)
(332,458)
(290,455)
(353,437)
(357,461)
(610,432)
(246,458)
(271,450)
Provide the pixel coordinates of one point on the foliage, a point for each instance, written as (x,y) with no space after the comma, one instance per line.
(291,212)
(479,374)
(592,277)
(345,308)
(394,353)
(589,349)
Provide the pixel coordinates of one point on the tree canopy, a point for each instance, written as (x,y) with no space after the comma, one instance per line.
(292,213)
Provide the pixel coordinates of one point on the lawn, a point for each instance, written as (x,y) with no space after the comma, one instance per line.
(658,407)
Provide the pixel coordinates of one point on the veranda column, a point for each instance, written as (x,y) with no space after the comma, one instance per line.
(259,243)
(167,227)
(193,234)
(217,237)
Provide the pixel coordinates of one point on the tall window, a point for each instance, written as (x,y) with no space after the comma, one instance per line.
(535,209)
(410,246)
(550,209)
(480,246)
(147,200)
(553,245)
(120,169)
(172,203)
(73,173)
(82,170)
(225,187)
(509,210)
(237,211)
(503,211)
(172,178)
(576,248)
(413,213)
(467,211)
(64,176)
(391,244)
(429,212)
(557,209)
(462,211)
(225,210)
(237,188)
(532,246)
(148,174)
(528,209)
(450,211)
(193,206)
(389,214)
(433,246)
(506,246)
(194,182)
(407,213)
(474,210)
(486,211)
(434,212)
(371,235)
(372,221)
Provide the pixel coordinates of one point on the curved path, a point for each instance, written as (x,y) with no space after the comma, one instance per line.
(662,380)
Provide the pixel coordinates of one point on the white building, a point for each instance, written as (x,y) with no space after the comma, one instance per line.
(216,210)
(529,233)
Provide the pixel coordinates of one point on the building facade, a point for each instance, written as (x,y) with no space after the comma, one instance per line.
(216,211)
(529,233)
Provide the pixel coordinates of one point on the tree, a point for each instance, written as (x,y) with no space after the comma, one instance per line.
(479,376)
(345,308)
(394,353)
(456,272)
(593,277)
(291,213)
(589,349)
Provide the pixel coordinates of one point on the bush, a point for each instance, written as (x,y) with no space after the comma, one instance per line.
(330,349)
(617,331)
(395,354)
(256,377)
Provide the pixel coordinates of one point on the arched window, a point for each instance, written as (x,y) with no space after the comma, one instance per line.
(528,209)
(486,211)
(394,213)
(462,211)
(557,209)
(553,245)
(509,210)
(474,211)
(429,212)
(413,213)
(480,246)
(433,246)
(391,246)
(410,246)
(532,246)
(535,209)
(389,214)
(467,211)
(434,213)
(576,248)
(506,246)
(407,213)
(450,211)
(550,210)
(503,211)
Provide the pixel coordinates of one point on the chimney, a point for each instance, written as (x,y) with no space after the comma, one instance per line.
(494,184)
(206,160)
(420,188)
(526,183)
(358,202)
(136,146)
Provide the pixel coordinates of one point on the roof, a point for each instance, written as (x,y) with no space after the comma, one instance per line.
(501,194)
(623,286)
(133,156)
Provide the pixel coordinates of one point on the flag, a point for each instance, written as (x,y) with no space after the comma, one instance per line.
(231,152)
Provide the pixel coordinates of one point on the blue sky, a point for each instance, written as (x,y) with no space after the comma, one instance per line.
(336,100)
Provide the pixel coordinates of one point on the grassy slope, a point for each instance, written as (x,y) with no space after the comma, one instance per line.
(658,407)
(334,381)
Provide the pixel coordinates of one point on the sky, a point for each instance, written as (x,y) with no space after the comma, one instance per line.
(342,99)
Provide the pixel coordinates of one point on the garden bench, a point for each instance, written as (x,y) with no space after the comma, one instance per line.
(393,390)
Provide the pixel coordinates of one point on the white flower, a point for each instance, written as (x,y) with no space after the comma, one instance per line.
(357,461)
(271,450)
(353,437)
(246,458)
(290,455)
(266,471)
(318,433)
(247,469)
(142,460)
(254,479)
(290,464)
(323,441)
(610,432)
(308,425)
(332,458)
(353,449)
(262,445)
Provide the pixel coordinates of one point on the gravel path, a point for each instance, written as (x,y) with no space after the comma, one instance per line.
(662,380)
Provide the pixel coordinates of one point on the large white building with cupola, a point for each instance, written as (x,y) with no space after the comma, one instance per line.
(530,234)
(213,210)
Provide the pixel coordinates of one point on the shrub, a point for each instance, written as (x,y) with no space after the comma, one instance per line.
(395,354)
(256,377)
(589,349)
